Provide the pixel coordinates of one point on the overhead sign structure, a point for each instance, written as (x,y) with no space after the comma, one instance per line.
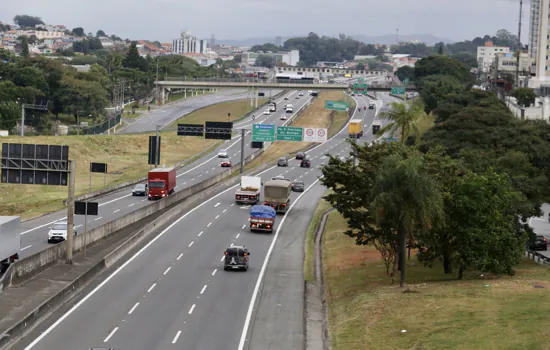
(98,168)
(398,90)
(315,135)
(290,133)
(336,105)
(218,130)
(191,130)
(86,208)
(263,133)
(154,153)
(360,89)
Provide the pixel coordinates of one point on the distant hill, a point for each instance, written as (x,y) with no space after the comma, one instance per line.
(389,39)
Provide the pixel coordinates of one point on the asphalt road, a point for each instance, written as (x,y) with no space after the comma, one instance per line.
(541,226)
(34,233)
(174,293)
(165,116)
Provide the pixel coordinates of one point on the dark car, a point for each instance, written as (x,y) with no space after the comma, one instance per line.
(140,190)
(282,162)
(298,186)
(305,163)
(538,243)
(236,258)
(300,155)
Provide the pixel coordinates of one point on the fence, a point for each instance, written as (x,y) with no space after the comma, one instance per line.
(103,127)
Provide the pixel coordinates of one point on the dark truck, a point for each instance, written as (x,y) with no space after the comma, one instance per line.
(277,195)
(161,182)
(262,218)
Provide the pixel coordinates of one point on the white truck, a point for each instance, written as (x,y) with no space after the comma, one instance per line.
(249,192)
(10,241)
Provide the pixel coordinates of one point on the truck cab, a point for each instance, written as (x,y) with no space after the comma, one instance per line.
(161,182)
(355,128)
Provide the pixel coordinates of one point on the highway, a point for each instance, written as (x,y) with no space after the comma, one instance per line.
(35,232)
(166,115)
(174,293)
(541,226)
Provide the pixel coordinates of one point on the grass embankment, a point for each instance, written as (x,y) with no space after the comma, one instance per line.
(315,116)
(480,312)
(309,247)
(125,155)
(218,112)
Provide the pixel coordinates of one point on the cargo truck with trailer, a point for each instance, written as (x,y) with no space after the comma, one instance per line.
(277,195)
(262,218)
(10,241)
(161,182)
(355,128)
(249,191)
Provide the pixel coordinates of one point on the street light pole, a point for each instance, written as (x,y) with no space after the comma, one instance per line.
(22,119)
(157,151)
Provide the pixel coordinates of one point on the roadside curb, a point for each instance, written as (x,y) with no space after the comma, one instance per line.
(315,301)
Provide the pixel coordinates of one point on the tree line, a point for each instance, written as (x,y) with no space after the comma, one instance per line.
(460,192)
(83,93)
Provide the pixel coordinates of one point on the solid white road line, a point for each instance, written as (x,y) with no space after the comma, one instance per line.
(151,288)
(191,309)
(27,247)
(264,266)
(176,337)
(110,334)
(203,289)
(133,309)
(168,269)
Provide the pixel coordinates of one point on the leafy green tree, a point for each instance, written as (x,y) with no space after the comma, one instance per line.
(10,113)
(314,48)
(442,65)
(264,61)
(467,58)
(266,48)
(79,31)
(100,33)
(413,49)
(113,61)
(525,96)
(27,21)
(405,72)
(406,198)
(24,46)
(403,120)
(434,89)
(82,97)
(133,58)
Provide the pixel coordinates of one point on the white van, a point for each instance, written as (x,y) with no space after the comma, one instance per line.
(289,109)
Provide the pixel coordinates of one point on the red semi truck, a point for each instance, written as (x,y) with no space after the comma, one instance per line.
(161,182)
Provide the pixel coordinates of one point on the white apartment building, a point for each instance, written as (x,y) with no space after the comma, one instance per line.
(188,43)
(290,58)
(539,42)
(486,55)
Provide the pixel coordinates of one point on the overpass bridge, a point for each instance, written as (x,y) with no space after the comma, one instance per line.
(331,70)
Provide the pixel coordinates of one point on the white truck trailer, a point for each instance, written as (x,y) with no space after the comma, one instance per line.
(249,192)
(10,240)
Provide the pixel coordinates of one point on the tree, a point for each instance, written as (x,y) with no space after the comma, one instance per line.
(525,96)
(24,47)
(30,76)
(269,47)
(79,31)
(403,120)
(100,33)
(10,113)
(360,66)
(406,198)
(238,58)
(404,73)
(264,61)
(442,65)
(434,89)
(467,58)
(27,21)
(133,59)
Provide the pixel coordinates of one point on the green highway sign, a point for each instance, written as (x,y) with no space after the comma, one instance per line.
(263,133)
(360,89)
(289,133)
(398,90)
(360,80)
(336,105)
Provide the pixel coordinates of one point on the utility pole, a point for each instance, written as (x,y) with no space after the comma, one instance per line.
(157,83)
(519,42)
(22,119)
(242,151)
(157,152)
(70,212)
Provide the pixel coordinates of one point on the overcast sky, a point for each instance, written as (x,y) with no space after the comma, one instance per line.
(238,19)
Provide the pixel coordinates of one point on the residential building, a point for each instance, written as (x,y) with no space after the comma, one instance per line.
(534,27)
(539,43)
(188,43)
(486,55)
(201,59)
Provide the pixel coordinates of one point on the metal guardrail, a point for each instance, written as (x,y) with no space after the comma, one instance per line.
(538,257)
(102,127)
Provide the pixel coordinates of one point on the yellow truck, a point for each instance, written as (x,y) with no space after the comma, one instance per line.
(355,128)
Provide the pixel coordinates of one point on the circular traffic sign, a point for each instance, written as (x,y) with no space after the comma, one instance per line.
(309,132)
(321,132)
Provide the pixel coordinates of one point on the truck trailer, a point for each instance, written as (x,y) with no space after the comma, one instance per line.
(277,195)
(249,192)
(262,218)
(10,241)
(355,128)
(161,182)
